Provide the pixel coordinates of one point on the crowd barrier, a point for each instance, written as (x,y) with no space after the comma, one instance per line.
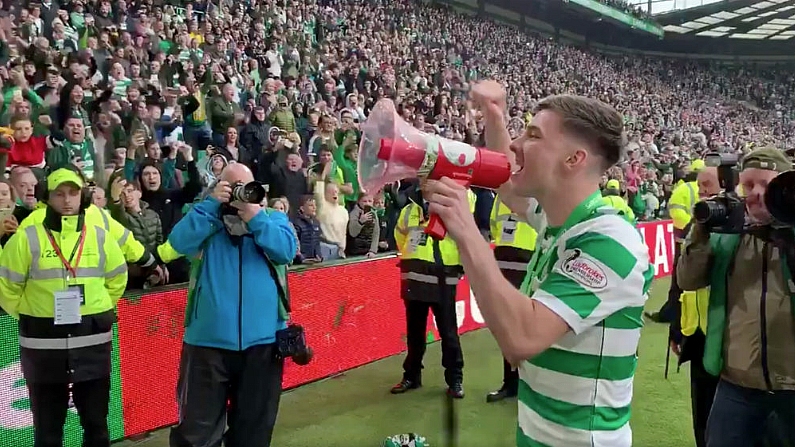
(351,310)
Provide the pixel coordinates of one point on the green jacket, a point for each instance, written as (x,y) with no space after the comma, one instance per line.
(724,248)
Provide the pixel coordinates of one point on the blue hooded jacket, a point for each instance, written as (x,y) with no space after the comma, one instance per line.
(235,300)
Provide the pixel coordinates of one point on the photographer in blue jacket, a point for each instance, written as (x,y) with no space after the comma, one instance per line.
(237,310)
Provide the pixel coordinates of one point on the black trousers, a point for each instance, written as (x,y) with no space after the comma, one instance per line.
(510,377)
(49,403)
(702,393)
(416,330)
(235,389)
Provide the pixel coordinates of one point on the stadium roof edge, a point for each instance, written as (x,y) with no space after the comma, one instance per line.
(569,21)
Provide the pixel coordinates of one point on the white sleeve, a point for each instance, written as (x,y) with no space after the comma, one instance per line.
(536,217)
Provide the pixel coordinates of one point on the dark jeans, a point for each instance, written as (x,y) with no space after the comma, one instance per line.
(49,403)
(416,330)
(740,417)
(702,393)
(219,388)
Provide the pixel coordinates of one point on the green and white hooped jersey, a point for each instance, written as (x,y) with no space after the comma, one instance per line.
(577,393)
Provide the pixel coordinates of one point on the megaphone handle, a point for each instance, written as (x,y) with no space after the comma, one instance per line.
(435,228)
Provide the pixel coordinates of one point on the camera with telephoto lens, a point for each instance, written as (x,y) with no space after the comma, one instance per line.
(251,192)
(724,213)
(780,199)
(291,342)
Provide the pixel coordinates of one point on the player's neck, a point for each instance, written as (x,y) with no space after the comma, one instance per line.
(561,202)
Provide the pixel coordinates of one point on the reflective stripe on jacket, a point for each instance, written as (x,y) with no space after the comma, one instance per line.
(31,272)
(518,234)
(132,249)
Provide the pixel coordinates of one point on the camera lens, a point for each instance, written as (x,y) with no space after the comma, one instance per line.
(253,192)
(710,212)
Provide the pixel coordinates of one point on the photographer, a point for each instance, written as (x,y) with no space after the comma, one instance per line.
(751,328)
(234,317)
(688,329)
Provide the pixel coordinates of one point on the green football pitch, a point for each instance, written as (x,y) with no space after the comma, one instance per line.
(356,409)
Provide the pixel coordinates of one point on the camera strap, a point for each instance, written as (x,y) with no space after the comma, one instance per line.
(281,280)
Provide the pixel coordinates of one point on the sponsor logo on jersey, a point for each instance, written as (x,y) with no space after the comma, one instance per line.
(584,270)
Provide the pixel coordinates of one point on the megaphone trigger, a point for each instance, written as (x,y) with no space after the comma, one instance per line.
(435,227)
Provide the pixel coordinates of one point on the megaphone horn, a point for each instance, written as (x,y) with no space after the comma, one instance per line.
(392,150)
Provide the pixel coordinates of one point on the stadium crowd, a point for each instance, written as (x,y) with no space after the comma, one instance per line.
(634,10)
(152,100)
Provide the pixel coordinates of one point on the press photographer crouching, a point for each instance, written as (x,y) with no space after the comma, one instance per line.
(743,248)
(236,332)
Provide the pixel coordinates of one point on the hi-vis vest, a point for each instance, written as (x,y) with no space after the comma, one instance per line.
(680,205)
(621,205)
(413,243)
(694,311)
(508,231)
(31,271)
(95,216)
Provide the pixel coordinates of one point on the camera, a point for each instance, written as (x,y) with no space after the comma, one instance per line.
(252,192)
(780,198)
(291,342)
(724,213)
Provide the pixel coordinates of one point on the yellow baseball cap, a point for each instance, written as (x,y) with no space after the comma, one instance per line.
(613,184)
(697,165)
(61,176)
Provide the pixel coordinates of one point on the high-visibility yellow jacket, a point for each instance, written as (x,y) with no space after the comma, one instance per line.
(416,249)
(31,272)
(680,205)
(694,311)
(508,231)
(620,204)
(472,200)
(413,243)
(133,250)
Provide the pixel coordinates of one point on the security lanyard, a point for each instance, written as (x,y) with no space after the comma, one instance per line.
(77,252)
(538,263)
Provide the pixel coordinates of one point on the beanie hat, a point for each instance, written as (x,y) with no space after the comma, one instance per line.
(767,158)
(146,163)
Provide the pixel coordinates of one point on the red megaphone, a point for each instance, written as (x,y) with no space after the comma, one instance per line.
(393,150)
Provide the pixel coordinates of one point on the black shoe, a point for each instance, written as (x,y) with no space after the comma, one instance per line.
(405,385)
(501,394)
(456,390)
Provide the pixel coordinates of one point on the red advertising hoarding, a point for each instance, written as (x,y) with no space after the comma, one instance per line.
(353,315)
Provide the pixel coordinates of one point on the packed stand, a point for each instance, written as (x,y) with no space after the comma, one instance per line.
(635,10)
(152,101)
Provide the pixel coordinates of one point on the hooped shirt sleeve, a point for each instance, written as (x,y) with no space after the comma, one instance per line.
(602,267)
(536,217)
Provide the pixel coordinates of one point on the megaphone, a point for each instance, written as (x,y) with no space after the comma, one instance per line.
(392,150)
(780,198)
